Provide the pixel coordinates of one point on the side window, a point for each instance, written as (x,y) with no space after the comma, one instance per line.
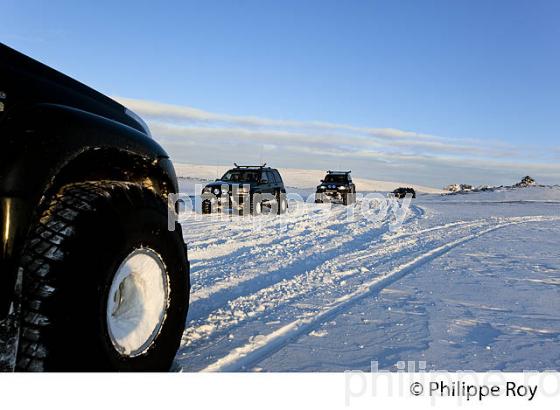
(270,177)
(277,176)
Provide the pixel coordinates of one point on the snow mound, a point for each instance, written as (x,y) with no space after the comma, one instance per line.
(538,193)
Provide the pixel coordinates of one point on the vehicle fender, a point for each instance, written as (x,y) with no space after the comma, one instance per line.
(46,146)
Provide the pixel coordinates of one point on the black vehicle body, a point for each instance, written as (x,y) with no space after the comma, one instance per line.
(337,186)
(55,131)
(401,193)
(239,187)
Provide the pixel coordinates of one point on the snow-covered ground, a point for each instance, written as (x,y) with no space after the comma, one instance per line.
(468,282)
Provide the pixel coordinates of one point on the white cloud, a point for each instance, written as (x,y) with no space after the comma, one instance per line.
(199,136)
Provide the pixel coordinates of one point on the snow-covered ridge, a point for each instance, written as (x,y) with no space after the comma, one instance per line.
(536,193)
(298,178)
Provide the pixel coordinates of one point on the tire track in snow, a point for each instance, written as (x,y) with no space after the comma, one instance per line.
(392,247)
(299,252)
(263,346)
(216,269)
(207,299)
(241,227)
(250,307)
(263,233)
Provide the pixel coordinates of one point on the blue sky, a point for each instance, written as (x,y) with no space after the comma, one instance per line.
(465,72)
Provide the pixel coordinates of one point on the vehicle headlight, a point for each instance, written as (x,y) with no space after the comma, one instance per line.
(322,187)
(343,188)
(216,191)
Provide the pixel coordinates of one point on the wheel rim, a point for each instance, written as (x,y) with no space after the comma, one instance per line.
(137,302)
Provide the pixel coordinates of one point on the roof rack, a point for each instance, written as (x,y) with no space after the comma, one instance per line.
(338,172)
(249,166)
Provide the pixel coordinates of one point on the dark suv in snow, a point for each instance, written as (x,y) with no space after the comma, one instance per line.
(91,278)
(246,188)
(336,187)
(402,192)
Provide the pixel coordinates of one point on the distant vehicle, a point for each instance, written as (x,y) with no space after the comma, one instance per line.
(84,229)
(401,193)
(246,188)
(337,186)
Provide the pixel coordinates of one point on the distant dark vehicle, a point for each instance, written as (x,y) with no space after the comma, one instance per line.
(401,193)
(246,189)
(86,255)
(337,186)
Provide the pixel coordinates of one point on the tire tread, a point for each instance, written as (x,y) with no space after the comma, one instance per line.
(42,249)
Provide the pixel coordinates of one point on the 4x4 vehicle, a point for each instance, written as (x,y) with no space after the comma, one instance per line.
(246,188)
(86,257)
(337,186)
(402,192)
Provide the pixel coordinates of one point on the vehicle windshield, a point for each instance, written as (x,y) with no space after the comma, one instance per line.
(241,176)
(336,178)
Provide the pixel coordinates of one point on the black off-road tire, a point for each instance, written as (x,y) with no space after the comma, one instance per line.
(68,263)
(349,198)
(255,208)
(282,203)
(206,207)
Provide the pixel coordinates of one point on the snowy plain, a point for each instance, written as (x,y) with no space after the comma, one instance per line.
(468,282)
